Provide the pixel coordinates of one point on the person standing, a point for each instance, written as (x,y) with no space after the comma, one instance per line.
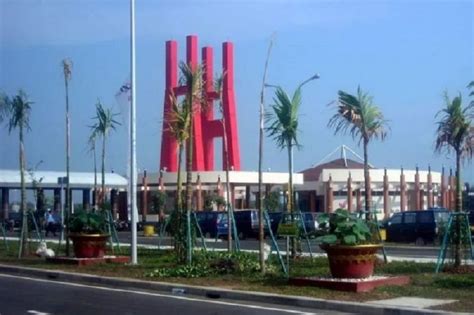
(50,224)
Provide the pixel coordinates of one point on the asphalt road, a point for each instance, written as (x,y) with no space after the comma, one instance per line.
(392,249)
(23,295)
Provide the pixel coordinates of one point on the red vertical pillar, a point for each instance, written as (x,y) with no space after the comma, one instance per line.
(417,190)
(359,199)
(198,154)
(329,196)
(403,192)
(386,204)
(144,197)
(207,114)
(430,188)
(169,145)
(161,187)
(349,193)
(443,189)
(228,98)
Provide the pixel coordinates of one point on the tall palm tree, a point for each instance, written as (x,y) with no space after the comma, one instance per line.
(283,129)
(358,115)
(179,119)
(66,65)
(104,123)
(455,132)
(17,111)
(218,84)
(191,77)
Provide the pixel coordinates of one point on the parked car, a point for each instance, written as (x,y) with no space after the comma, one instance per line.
(212,223)
(419,226)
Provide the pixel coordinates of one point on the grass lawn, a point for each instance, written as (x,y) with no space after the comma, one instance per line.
(213,269)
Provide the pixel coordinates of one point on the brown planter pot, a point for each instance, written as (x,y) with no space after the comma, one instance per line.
(89,245)
(351,261)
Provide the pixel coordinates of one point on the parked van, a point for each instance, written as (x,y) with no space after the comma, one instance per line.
(419,226)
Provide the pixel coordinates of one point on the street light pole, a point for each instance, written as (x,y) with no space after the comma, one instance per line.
(133,162)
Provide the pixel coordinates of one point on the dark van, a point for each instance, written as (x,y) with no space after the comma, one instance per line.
(211,222)
(419,226)
(246,222)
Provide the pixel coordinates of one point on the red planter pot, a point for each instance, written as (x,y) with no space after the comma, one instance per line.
(351,261)
(89,245)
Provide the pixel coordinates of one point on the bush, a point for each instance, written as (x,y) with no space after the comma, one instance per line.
(213,263)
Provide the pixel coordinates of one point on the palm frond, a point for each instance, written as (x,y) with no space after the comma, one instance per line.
(179,119)
(283,118)
(454,128)
(104,121)
(358,116)
(67,68)
(17,111)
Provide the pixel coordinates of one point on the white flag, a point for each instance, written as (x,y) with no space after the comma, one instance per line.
(123,98)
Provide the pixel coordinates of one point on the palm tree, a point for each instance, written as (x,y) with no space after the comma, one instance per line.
(358,115)
(17,110)
(104,123)
(284,129)
(218,84)
(66,65)
(455,132)
(192,79)
(179,119)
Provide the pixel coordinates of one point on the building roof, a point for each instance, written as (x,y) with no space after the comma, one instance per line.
(49,179)
(313,173)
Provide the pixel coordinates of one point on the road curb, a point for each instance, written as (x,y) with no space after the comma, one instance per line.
(215,292)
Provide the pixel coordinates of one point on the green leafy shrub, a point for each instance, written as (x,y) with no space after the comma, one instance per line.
(213,263)
(88,222)
(455,282)
(344,228)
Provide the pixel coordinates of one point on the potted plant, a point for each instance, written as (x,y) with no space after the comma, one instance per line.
(350,244)
(88,232)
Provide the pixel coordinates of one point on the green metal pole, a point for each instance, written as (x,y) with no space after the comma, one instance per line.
(442,251)
(275,244)
(188,237)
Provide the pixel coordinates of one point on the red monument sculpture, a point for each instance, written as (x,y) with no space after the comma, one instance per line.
(205,127)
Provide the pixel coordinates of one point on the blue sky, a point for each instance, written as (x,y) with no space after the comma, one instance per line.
(405,53)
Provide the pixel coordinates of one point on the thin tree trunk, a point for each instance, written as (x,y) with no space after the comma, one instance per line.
(189,184)
(25,249)
(457,256)
(261,233)
(95,179)
(229,207)
(366,180)
(178,241)
(290,204)
(179,189)
(68,156)
(103,174)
